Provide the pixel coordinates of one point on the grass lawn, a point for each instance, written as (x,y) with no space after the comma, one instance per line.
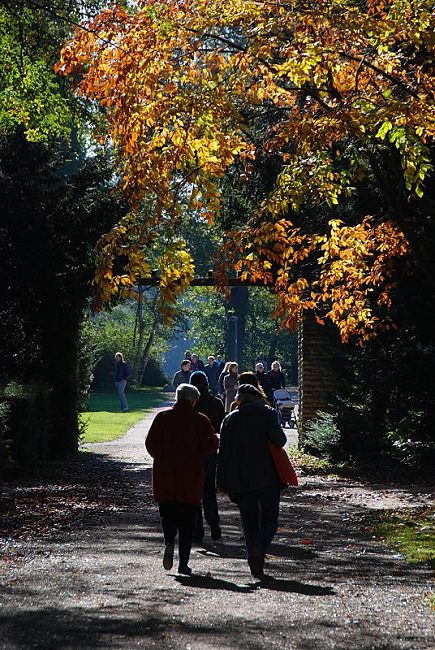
(412,534)
(103,419)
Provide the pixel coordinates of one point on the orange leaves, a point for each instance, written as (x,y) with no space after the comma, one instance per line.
(182,82)
(355,276)
(177,82)
(357,266)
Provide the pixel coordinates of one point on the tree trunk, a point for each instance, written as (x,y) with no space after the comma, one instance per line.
(145,357)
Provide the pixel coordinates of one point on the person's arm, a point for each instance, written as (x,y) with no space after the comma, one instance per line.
(150,440)
(221,472)
(274,431)
(208,438)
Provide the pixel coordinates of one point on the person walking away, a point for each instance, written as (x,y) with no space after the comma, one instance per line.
(230,385)
(248,377)
(246,471)
(212,371)
(178,440)
(183,375)
(122,373)
(212,407)
(264,381)
(276,376)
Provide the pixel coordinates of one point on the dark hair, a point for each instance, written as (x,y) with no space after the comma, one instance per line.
(250,391)
(249,377)
(199,379)
(185,361)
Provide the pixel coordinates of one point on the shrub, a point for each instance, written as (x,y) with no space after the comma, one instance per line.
(322,436)
(26,423)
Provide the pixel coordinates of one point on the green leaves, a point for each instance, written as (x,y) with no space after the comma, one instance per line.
(383,130)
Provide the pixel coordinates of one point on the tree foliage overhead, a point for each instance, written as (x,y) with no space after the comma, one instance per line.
(337,91)
(32,96)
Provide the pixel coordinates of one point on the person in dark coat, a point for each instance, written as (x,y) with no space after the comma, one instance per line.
(121,373)
(197,363)
(246,471)
(212,372)
(276,376)
(183,375)
(178,440)
(213,408)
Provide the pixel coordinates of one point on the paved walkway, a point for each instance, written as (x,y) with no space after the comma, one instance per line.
(103,586)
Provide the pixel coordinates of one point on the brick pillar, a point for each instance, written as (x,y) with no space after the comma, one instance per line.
(317,349)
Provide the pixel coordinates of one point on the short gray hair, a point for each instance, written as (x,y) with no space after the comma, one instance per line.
(187,392)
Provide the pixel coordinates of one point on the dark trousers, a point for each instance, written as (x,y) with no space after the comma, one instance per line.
(178,517)
(209,500)
(259,511)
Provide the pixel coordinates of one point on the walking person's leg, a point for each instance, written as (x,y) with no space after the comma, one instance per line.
(249,507)
(186,517)
(120,386)
(168,513)
(269,512)
(209,500)
(198,533)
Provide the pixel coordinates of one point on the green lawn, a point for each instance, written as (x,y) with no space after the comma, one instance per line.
(411,533)
(103,419)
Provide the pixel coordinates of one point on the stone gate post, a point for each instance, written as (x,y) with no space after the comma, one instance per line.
(317,367)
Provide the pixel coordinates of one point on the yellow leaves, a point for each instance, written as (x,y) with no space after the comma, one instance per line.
(335,81)
(177,270)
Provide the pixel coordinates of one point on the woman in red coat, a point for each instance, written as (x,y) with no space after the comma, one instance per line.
(178,440)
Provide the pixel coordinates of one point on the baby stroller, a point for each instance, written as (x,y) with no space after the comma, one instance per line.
(284,406)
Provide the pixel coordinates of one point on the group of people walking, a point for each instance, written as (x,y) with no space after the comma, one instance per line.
(184,442)
(223,377)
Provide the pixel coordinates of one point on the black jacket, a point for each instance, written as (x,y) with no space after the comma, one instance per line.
(277,379)
(245,462)
(212,407)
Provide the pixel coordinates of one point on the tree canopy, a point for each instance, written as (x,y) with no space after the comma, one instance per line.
(338,93)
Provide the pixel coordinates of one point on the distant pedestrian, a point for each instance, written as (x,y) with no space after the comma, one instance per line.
(248,377)
(212,407)
(219,362)
(264,381)
(197,363)
(178,440)
(230,385)
(122,373)
(212,371)
(221,391)
(276,376)
(183,375)
(246,471)
(261,358)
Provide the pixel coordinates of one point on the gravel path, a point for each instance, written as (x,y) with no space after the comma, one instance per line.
(103,586)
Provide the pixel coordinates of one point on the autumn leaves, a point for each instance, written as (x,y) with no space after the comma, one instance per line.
(189,89)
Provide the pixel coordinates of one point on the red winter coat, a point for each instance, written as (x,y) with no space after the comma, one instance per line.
(178,440)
